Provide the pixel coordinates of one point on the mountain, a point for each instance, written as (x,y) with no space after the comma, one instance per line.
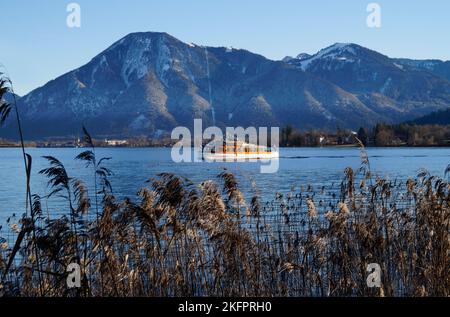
(299,57)
(148,83)
(441,117)
(437,67)
(383,84)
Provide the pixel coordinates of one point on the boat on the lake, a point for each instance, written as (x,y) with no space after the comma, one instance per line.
(235,150)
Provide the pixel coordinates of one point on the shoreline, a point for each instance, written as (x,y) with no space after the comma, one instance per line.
(281,147)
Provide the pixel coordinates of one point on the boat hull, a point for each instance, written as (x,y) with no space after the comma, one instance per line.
(231,157)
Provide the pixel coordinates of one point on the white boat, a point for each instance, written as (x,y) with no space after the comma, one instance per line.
(238,151)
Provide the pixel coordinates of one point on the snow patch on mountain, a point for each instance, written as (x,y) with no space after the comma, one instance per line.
(386,85)
(164,62)
(331,52)
(398,66)
(425,64)
(102,64)
(137,59)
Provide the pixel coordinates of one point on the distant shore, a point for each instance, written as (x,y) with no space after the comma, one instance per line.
(10,146)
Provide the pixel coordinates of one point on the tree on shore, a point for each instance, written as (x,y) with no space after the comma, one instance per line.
(363,135)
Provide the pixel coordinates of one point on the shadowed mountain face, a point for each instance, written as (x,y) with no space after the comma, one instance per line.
(441,117)
(148,83)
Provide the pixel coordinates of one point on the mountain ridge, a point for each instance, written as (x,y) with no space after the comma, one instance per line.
(149,82)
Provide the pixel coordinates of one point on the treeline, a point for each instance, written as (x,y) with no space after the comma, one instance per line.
(405,134)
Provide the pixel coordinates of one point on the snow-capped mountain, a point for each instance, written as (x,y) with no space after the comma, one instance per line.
(147,83)
(385,85)
(339,52)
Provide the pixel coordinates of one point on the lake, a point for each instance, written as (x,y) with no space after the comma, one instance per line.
(132,167)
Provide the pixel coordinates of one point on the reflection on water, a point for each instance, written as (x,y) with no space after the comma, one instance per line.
(132,167)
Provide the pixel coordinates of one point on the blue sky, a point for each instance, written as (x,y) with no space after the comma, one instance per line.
(37,46)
